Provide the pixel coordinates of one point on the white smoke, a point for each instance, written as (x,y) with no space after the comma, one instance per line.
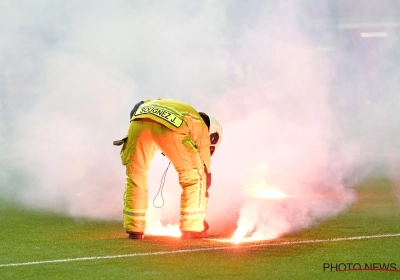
(72,71)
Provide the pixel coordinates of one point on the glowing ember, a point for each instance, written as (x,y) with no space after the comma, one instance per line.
(244,233)
(270,193)
(156,228)
(239,234)
(263,191)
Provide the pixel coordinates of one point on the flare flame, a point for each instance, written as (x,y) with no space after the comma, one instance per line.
(157,228)
(246,230)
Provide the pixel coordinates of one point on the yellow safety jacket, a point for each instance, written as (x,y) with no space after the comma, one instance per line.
(172,114)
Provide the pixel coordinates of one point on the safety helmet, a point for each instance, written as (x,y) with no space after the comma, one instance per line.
(215,130)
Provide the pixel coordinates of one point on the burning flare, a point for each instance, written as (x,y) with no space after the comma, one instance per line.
(157,228)
(247,224)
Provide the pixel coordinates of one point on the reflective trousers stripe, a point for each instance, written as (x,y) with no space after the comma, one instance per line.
(192,220)
(134,214)
(194,213)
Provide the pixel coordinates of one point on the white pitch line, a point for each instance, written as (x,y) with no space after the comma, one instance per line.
(203,249)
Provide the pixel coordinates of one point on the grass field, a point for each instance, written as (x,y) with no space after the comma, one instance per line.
(42,245)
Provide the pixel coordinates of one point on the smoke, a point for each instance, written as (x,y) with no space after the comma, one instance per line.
(301,111)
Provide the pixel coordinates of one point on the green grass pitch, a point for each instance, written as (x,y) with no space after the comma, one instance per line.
(41,245)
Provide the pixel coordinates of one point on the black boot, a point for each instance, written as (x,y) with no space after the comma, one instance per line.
(135,235)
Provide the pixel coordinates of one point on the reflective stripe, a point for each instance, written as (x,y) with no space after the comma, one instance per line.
(161,112)
(202,212)
(192,116)
(134,214)
(200,188)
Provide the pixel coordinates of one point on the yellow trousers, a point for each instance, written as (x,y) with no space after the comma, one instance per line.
(145,137)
